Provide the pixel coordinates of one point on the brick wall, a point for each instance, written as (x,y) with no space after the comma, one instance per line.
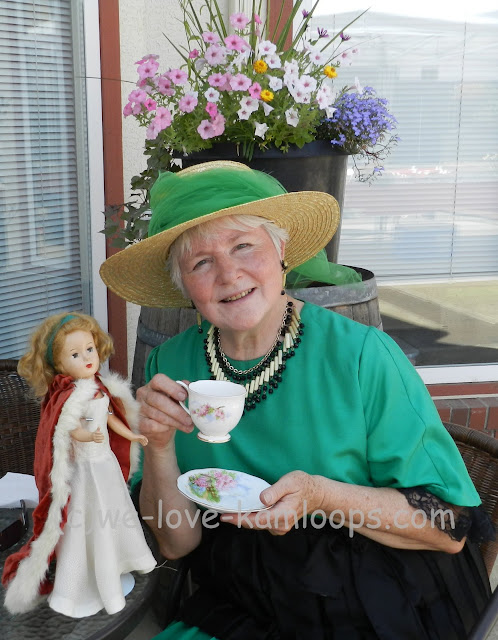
(473,405)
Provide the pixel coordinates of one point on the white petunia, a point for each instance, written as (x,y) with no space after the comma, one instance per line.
(358,86)
(260,129)
(243,114)
(298,93)
(317,57)
(291,68)
(275,84)
(292,117)
(273,61)
(307,83)
(325,96)
(249,104)
(266,48)
(212,95)
(330,111)
(241,59)
(199,63)
(267,108)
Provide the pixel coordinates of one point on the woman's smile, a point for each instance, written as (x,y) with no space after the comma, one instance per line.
(238,296)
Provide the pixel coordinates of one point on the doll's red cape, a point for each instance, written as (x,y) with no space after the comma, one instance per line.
(59,392)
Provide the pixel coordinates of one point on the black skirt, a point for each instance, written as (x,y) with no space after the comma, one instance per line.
(324,585)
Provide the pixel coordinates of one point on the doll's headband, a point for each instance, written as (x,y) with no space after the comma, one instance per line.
(49,353)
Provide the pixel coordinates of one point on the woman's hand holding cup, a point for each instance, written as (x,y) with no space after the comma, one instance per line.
(160,412)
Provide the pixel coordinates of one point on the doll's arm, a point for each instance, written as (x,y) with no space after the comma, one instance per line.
(82,435)
(118,427)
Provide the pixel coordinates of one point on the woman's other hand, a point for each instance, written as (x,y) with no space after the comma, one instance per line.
(290,497)
(160,412)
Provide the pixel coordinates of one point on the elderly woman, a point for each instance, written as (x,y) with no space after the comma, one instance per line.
(370,502)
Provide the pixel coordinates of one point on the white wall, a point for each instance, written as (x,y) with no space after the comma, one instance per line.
(143,24)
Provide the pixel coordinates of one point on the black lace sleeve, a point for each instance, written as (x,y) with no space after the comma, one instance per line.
(457,522)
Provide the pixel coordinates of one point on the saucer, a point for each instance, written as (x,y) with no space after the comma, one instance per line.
(223,490)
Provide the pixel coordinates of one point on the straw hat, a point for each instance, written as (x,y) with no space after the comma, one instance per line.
(204,192)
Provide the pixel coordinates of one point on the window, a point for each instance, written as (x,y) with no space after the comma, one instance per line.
(44,256)
(428,228)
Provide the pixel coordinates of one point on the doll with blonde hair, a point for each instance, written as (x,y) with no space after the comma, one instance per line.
(85,451)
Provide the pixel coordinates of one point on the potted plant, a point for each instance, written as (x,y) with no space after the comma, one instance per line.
(240,94)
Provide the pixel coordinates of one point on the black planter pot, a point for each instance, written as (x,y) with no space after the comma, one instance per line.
(318,166)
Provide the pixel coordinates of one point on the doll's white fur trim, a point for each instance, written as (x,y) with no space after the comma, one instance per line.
(22,593)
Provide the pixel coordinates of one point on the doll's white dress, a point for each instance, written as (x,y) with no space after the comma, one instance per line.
(103,537)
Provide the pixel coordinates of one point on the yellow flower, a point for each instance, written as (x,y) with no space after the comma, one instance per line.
(260,66)
(330,72)
(266,95)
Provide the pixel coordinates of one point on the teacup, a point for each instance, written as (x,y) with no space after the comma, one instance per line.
(215,406)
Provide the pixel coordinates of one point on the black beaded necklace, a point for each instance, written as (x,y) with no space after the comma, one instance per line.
(263,378)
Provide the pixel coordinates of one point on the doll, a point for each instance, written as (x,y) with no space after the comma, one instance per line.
(85,519)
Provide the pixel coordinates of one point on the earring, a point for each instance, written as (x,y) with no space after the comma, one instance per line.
(284,275)
(199,322)
(199,319)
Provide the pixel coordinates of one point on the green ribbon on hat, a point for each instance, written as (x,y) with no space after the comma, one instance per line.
(318,269)
(177,198)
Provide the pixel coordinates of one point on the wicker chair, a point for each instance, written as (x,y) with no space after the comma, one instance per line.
(19,417)
(480,454)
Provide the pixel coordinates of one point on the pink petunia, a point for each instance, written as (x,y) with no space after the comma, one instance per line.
(210,38)
(150,104)
(165,86)
(216,80)
(215,55)
(188,103)
(257,19)
(137,108)
(218,123)
(163,116)
(255,90)
(178,76)
(147,69)
(235,43)
(127,111)
(150,56)
(152,130)
(137,96)
(239,21)
(206,130)
(240,82)
(226,86)
(194,54)
(212,109)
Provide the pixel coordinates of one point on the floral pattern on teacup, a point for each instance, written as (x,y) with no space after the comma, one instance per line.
(208,485)
(210,413)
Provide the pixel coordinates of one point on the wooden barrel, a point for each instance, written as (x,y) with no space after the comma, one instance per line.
(155,326)
(357,301)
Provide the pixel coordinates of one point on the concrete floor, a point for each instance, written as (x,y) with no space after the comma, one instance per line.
(442,324)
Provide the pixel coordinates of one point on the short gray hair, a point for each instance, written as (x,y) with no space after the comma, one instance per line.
(242,222)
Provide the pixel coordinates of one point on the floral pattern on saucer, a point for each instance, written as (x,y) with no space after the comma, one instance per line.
(223,490)
(208,485)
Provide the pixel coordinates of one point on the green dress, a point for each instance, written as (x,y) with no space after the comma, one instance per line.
(350,407)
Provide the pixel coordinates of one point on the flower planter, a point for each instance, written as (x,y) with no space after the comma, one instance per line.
(318,166)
